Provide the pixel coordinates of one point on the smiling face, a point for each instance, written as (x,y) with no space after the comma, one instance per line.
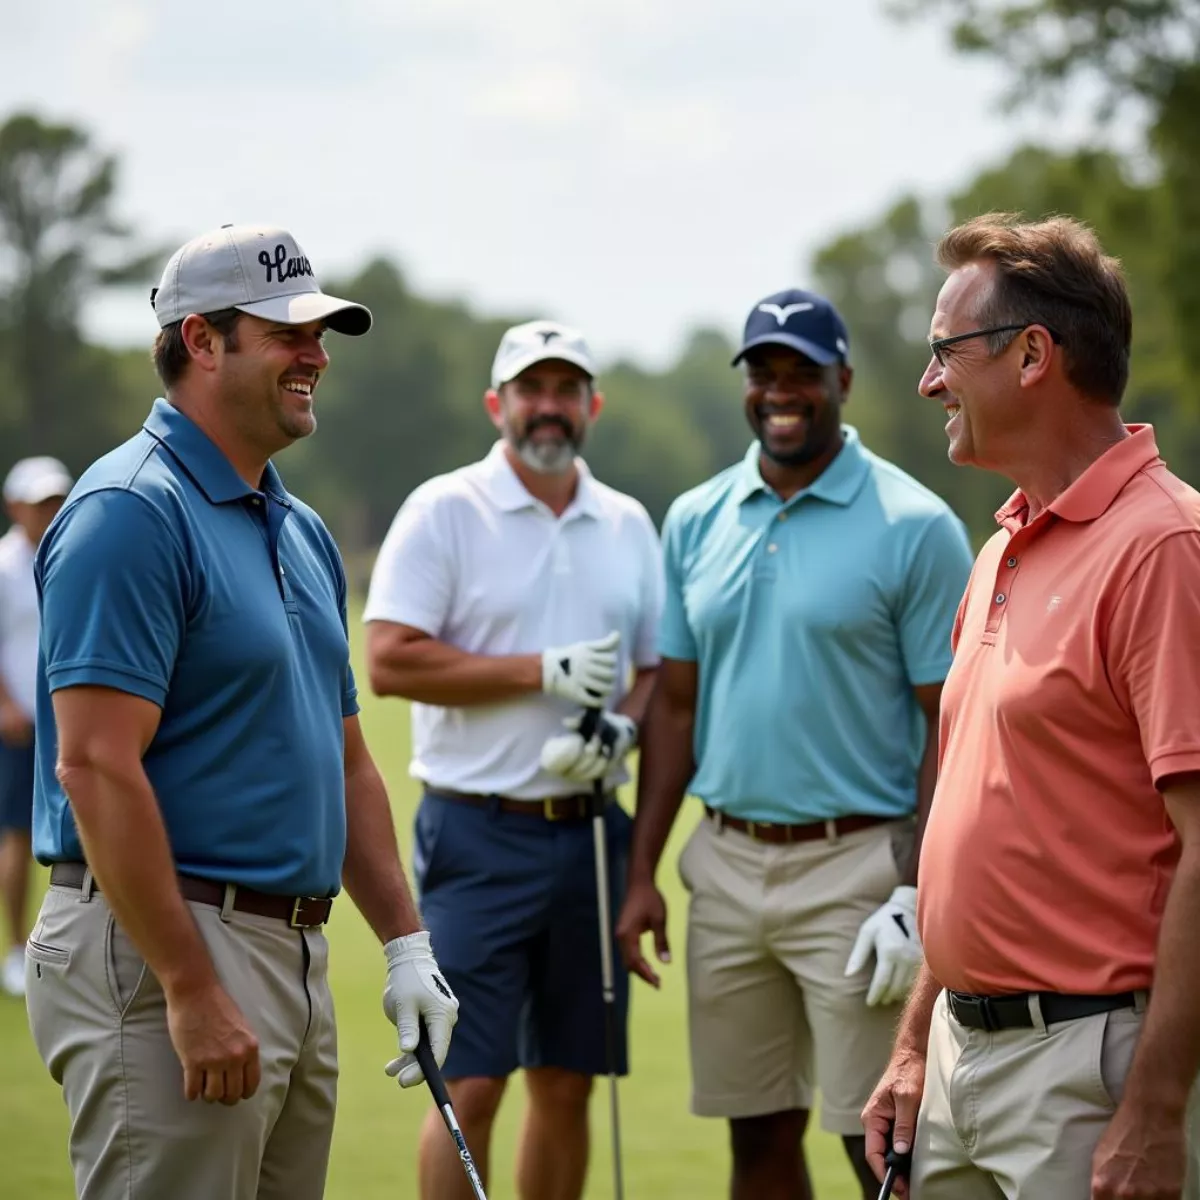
(988,410)
(269,377)
(794,406)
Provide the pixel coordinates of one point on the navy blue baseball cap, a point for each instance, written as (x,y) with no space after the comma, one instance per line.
(801,321)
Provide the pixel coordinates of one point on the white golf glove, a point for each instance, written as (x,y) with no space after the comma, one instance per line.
(415,988)
(584,672)
(890,933)
(570,756)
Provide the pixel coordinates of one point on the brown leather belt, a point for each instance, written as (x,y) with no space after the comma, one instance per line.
(300,912)
(550,808)
(782,835)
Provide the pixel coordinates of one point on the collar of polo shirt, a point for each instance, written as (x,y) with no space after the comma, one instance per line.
(839,483)
(203,461)
(508,493)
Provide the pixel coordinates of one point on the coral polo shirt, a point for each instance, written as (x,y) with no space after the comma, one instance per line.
(1074,693)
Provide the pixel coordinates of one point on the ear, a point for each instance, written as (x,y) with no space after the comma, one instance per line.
(1037,353)
(493,404)
(845,379)
(202,341)
(595,405)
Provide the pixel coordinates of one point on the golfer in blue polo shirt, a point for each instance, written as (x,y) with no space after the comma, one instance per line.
(810,595)
(203,786)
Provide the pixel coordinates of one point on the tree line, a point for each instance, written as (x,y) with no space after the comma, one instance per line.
(405,404)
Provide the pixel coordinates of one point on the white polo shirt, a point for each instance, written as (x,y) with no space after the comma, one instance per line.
(473,560)
(18,619)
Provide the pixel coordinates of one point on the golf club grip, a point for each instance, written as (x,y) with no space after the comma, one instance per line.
(427,1063)
(587,726)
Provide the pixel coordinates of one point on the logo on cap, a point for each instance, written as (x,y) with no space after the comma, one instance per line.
(781,312)
(284,267)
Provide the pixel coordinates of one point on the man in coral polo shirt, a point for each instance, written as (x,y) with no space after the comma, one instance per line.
(1054,1036)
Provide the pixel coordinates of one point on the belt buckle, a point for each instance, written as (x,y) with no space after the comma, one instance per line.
(294,920)
(548,808)
(981,1005)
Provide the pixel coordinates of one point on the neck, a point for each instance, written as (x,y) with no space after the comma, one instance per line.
(247,459)
(554,491)
(1053,461)
(786,480)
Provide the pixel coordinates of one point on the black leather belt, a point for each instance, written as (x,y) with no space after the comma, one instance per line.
(300,912)
(1013,1012)
(549,808)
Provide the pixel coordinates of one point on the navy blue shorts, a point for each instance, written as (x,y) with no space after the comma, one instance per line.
(16,787)
(510,904)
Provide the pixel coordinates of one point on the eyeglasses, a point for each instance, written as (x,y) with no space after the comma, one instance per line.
(938,345)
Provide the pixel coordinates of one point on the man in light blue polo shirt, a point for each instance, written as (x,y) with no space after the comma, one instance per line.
(811,592)
(203,789)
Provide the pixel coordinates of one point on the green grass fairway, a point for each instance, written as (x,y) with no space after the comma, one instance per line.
(668,1152)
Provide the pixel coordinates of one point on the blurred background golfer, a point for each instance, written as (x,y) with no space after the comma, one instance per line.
(507,596)
(33,492)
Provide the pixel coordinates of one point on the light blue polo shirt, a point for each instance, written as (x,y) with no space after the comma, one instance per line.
(167,577)
(811,623)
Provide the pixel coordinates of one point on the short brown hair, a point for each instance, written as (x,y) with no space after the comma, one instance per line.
(1053,273)
(170,354)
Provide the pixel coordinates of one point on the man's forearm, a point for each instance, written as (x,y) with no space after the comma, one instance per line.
(126,847)
(912,1031)
(665,769)
(1168,1052)
(432,672)
(372,872)
(636,702)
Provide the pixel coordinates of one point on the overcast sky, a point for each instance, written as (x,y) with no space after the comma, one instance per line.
(636,167)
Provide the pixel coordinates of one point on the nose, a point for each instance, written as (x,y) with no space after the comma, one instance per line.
(931,380)
(313,353)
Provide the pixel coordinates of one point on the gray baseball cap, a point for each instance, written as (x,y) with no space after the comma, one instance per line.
(538,341)
(256,269)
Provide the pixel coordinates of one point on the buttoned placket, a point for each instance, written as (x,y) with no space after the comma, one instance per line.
(270,514)
(1006,573)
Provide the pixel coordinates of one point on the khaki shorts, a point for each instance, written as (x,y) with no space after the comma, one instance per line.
(772,1016)
(1018,1113)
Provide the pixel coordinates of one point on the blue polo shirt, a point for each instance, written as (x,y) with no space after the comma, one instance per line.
(811,621)
(167,577)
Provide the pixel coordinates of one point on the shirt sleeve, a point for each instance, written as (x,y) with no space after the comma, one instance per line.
(645,651)
(933,589)
(412,580)
(1153,654)
(675,637)
(114,581)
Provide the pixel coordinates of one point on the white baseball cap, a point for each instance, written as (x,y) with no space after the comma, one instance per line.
(33,480)
(256,269)
(538,341)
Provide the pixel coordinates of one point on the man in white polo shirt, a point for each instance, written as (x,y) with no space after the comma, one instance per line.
(33,492)
(507,596)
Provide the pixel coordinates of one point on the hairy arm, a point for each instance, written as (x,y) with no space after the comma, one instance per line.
(372,870)
(405,661)
(1168,1053)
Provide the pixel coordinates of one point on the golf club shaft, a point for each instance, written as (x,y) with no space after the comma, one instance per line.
(603,904)
(889,1181)
(441,1097)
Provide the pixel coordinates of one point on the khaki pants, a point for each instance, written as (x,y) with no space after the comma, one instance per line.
(99,1022)
(1017,1114)
(772,1016)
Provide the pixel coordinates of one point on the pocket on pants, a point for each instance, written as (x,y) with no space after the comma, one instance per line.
(1118,1040)
(124,967)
